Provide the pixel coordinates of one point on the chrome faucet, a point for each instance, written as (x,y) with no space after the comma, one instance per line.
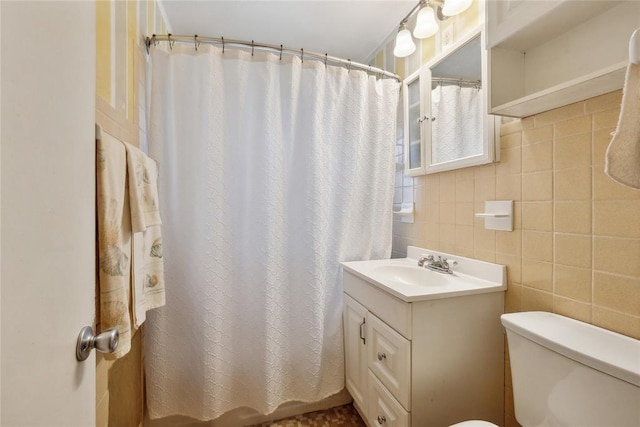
(440,265)
(423,259)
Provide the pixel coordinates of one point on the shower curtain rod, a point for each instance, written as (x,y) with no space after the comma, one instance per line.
(456,81)
(196,40)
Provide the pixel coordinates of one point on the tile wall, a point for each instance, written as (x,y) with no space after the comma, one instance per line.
(575,249)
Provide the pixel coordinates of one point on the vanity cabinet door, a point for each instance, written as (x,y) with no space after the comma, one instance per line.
(354,318)
(384,410)
(389,356)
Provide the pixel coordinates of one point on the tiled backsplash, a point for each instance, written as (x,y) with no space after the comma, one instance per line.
(576,246)
(575,249)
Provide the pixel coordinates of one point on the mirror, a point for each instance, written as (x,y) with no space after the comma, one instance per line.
(446,122)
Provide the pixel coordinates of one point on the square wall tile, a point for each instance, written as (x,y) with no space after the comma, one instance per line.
(536,300)
(617,293)
(616,255)
(484,240)
(484,189)
(464,190)
(538,134)
(573,217)
(537,216)
(537,157)
(509,243)
(537,186)
(572,282)
(619,218)
(537,274)
(464,236)
(537,245)
(464,213)
(573,250)
(572,151)
(573,184)
(509,187)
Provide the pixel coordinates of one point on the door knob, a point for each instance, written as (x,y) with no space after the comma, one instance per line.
(106,342)
(382,356)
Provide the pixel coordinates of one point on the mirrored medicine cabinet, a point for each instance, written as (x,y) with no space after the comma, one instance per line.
(446,120)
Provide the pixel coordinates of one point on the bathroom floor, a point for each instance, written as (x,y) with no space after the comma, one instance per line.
(345,416)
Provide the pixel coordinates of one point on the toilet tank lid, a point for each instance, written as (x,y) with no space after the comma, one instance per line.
(601,349)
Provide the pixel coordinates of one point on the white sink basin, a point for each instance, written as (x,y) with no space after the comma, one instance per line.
(405,280)
(410,275)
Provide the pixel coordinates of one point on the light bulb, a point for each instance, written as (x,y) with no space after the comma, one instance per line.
(404,43)
(454,7)
(426,24)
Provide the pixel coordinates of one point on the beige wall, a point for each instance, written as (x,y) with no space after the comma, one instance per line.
(120,109)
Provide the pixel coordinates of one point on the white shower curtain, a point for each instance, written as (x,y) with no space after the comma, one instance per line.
(456,131)
(271,172)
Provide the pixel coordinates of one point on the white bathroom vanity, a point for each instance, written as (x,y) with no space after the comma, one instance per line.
(424,348)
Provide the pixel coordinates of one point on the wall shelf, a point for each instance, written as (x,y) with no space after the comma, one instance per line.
(545,55)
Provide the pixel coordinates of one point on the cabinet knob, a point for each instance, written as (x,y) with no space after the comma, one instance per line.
(381,356)
(381,419)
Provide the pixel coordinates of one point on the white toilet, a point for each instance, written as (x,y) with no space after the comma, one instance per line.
(569,373)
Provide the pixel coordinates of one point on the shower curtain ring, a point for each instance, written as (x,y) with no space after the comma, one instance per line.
(170,42)
(196,42)
(325,60)
(251,47)
(222,44)
(302,55)
(349,66)
(280,52)
(154,40)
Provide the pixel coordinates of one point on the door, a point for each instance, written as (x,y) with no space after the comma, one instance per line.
(355,351)
(47,230)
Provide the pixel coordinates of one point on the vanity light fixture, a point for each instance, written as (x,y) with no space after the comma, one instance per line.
(454,7)
(426,23)
(404,43)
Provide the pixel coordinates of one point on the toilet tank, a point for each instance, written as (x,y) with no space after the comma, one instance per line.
(569,373)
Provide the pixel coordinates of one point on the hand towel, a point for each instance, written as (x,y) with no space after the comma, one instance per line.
(623,153)
(114,241)
(148,290)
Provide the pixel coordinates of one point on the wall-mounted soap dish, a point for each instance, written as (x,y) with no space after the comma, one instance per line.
(498,215)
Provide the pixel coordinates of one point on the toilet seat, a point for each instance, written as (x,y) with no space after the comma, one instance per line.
(474,423)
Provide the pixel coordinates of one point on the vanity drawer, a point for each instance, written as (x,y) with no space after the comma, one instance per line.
(389,358)
(384,410)
(393,311)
